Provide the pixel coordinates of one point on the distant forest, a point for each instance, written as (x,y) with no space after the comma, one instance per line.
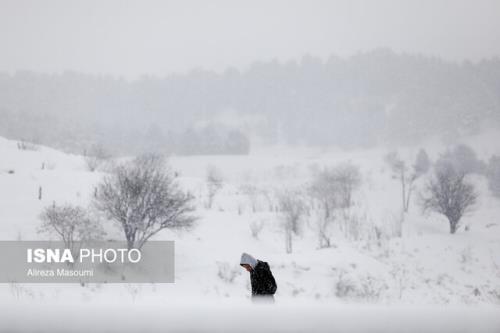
(372,98)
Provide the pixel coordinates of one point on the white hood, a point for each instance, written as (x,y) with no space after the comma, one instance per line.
(248,260)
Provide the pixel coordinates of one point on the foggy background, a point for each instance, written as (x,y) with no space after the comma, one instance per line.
(194,77)
(132,38)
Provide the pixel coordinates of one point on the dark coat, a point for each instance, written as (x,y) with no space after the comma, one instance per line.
(262,279)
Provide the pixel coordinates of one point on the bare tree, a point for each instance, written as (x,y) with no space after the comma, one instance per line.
(324,189)
(253,193)
(333,188)
(348,179)
(143,197)
(406,175)
(70,224)
(400,171)
(422,162)
(449,194)
(464,159)
(95,156)
(214,183)
(292,208)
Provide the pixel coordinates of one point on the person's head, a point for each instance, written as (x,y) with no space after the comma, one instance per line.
(247,267)
(248,262)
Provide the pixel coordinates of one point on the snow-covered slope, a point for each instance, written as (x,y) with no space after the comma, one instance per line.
(426,265)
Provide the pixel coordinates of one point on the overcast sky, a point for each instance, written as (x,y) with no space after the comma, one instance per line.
(131,38)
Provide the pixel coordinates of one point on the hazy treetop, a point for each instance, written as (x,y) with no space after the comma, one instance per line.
(131,38)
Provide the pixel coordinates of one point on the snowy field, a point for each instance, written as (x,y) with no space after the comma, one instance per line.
(413,277)
(222,316)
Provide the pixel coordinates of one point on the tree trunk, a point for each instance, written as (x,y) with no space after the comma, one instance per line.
(408,195)
(403,190)
(453,227)
(324,241)
(210,200)
(130,244)
(288,241)
(130,236)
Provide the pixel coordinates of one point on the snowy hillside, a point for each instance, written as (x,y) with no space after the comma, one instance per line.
(425,266)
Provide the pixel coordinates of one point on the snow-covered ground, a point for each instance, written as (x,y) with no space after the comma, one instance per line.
(223,316)
(354,285)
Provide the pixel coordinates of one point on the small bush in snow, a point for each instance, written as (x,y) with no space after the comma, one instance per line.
(48,165)
(24,145)
(362,287)
(18,290)
(226,272)
(133,290)
(95,156)
(344,286)
(256,227)
(466,255)
(400,275)
(354,225)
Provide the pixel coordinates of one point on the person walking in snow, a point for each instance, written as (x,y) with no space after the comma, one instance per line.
(262,280)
